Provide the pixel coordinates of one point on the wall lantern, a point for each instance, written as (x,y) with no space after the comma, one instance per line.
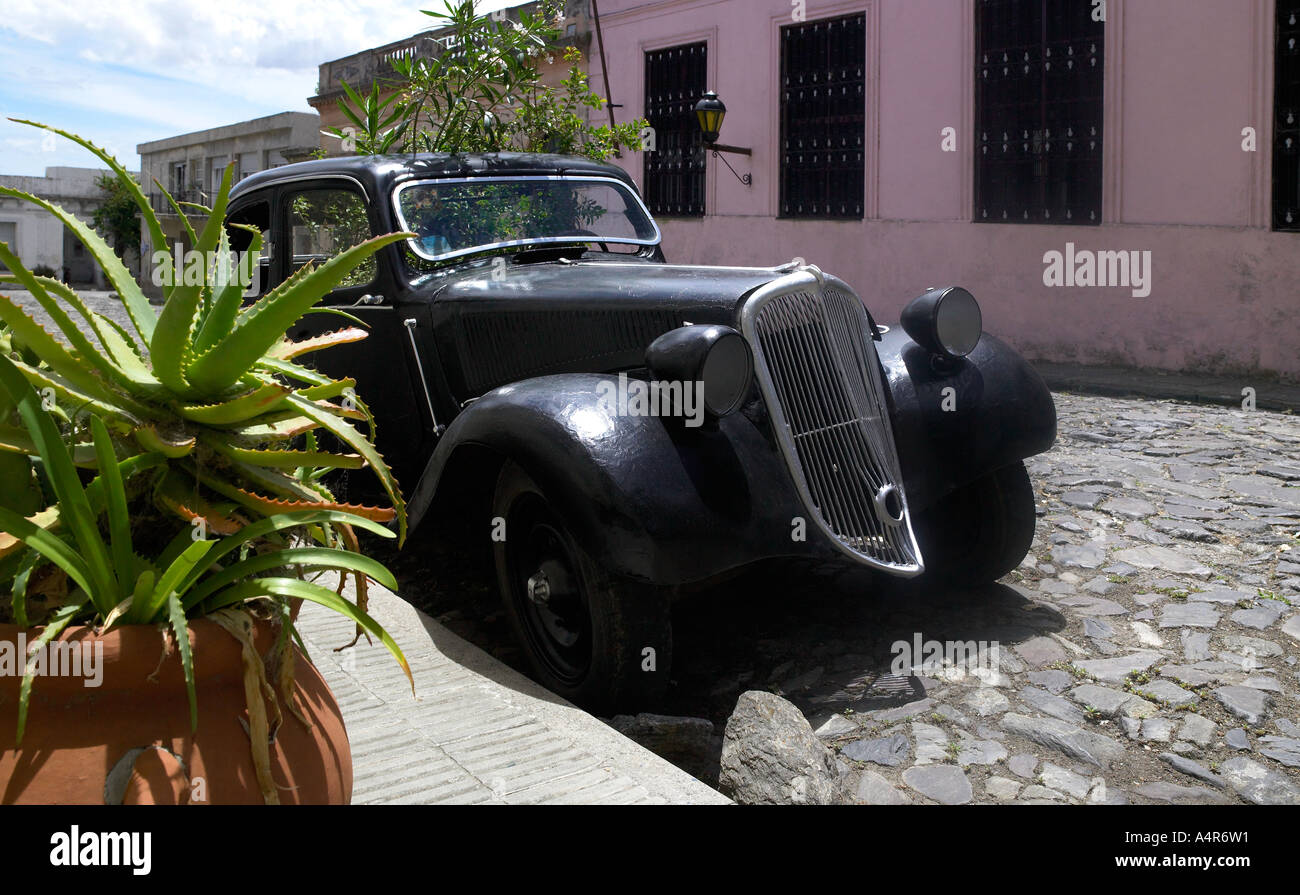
(710,113)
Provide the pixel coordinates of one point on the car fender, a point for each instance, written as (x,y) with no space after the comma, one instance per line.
(957,421)
(653,499)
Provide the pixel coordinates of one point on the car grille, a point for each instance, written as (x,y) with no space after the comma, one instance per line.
(822,382)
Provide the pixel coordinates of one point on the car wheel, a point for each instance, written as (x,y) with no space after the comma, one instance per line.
(602,642)
(981,531)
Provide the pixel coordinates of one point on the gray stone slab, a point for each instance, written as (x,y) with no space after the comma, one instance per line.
(1065,738)
(944,783)
(1246,703)
(1116,669)
(1050,704)
(1084,556)
(1258,784)
(1188,615)
(1165,560)
(1175,794)
(1169,693)
(1185,765)
(1259,618)
(889,751)
(1281,749)
(1197,729)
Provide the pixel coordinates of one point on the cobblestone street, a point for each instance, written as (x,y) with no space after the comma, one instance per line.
(1149,646)
(1150,642)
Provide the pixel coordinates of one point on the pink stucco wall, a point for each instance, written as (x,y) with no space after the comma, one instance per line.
(1184,77)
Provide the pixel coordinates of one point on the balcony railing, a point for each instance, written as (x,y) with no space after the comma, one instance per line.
(360,70)
(160,204)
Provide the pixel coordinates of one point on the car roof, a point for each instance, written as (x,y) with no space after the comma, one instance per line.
(378,174)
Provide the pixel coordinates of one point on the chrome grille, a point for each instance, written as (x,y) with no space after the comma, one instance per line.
(822,382)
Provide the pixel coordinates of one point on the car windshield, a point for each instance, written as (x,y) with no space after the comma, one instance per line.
(462,217)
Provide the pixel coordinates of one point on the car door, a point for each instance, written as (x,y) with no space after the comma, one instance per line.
(318,220)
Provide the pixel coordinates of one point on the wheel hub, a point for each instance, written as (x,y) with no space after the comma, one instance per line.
(539,588)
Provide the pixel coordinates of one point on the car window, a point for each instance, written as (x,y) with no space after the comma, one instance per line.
(324,223)
(259,271)
(453,218)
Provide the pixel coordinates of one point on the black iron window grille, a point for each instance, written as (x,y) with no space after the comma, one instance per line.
(1039,68)
(1286,121)
(823,118)
(675,79)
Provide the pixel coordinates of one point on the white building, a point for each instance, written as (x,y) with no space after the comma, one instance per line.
(37,237)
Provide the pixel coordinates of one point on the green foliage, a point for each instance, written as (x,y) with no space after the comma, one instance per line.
(203,378)
(483,93)
(165,472)
(118,218)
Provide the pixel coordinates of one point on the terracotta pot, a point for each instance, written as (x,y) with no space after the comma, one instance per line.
(135,726)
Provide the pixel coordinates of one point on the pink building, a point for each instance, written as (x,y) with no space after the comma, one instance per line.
(1117,181)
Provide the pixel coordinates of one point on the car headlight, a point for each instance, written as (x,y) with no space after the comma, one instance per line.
(718,357)
(946,322)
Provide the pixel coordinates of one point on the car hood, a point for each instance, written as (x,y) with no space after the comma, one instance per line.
(493,328)
(712,293)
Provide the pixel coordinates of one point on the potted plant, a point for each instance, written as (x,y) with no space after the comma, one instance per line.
(163,510)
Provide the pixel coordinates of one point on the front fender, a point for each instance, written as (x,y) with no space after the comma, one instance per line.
(999,412)
(650,498)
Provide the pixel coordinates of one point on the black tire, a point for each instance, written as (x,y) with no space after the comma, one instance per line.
(981,531)
(588,639)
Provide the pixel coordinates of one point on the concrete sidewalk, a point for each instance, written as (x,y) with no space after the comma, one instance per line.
(1127,382)
(476,731)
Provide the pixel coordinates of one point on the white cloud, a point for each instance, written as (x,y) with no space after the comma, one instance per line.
(129,71)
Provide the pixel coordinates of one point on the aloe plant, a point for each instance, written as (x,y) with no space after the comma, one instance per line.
(171,470)
(113,582)
(213,386)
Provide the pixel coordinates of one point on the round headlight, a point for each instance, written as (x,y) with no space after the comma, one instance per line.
(945,321)
(717,357)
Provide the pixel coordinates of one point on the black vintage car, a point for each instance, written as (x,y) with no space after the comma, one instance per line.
(624,427)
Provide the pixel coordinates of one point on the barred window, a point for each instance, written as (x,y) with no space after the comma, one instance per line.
(823,118)
(1038,111)
(675,79)
(1286,123)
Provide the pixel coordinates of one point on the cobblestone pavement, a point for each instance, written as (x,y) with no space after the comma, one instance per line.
(1149,647)
(1150,644)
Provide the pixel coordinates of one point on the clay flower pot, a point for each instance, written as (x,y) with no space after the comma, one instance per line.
(128,739)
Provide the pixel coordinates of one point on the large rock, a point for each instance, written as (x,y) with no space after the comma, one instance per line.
(770,756)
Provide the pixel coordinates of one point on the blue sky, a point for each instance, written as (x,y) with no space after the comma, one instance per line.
(123,72)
